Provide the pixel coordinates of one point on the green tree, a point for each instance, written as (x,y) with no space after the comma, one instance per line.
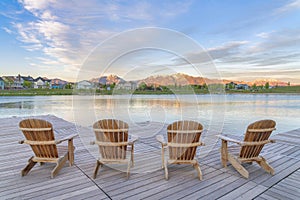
(289,83)
(267,85)
(27,84)
(143,86)
(69,86)
(231,86)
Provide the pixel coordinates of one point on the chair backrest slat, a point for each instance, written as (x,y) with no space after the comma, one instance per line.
(111,131)
(254,135)
(183,132)
(39,130)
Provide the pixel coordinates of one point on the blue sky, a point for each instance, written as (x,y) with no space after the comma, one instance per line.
(246,40)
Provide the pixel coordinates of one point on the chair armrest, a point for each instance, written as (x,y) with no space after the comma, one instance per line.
(222,137)
(161,140)
(257,143)
(132,140)
(70,137)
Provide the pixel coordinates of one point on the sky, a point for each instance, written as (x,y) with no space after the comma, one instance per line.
(82,39)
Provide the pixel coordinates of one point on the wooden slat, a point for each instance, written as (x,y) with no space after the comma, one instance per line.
(75,182)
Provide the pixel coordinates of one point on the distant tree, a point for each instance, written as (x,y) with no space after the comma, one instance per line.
(204,86)
(254,87)
(267,85)
(289,84)
(47,85)
(69,86)
(143,86)
(112,86)
(231,86)
(27,84)
(151,87)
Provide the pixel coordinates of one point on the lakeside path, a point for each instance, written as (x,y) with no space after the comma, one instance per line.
(76,183)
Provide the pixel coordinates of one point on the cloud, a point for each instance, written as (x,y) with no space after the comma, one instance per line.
(284,39)
(263,35)
(35,6)
(7,30)
(291,6)
(66,31)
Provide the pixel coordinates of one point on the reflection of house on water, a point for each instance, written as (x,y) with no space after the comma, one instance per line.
(19,104)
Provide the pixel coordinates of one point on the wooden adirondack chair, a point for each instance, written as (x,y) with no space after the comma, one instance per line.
(257,135)
(39,135)
(112,140)
(183,140)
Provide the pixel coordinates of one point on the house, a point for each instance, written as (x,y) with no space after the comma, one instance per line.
(230,86)
(13,82)
(58,83)
(242,87)
(42,83)
(127,85)
(28,81)
(84,85)
(1,84)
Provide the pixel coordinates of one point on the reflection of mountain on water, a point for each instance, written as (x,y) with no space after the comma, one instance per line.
(19,104)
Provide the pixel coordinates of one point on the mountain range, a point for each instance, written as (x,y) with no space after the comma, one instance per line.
(183,79)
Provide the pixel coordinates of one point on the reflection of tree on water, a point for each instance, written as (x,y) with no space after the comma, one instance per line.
(19,104)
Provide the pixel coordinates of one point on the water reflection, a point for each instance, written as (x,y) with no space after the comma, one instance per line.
(236,112)
(20,105)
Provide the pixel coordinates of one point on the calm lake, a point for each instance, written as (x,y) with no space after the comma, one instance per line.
(227,113)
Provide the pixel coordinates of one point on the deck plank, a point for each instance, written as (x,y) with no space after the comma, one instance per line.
(147,178)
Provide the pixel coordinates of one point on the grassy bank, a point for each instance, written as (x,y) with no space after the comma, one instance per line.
(36,92)
(46,92)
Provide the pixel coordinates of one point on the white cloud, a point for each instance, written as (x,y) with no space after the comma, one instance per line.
(263,35)
(280,40)
(7,30)
(292,5)
(66,31)
(46,15)
(35,5)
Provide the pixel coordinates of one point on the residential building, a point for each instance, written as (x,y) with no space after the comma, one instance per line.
(27,81)
(13,82)
(58,83)
(2,84)
(84,85)
(127,85)
(242,87)
(42,83)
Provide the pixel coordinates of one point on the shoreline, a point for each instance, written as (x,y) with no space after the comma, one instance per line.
(147,94)
(290,90)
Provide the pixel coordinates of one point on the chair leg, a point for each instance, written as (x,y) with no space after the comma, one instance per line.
(237,165)
(197,167)
(128,170)
(70,152)
(60,163)
(265,165)
(166,170)
(98,164)
(132,158)
(28,167)
(224,153)
(162,156)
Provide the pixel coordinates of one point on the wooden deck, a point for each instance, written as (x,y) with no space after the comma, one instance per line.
(147,178)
